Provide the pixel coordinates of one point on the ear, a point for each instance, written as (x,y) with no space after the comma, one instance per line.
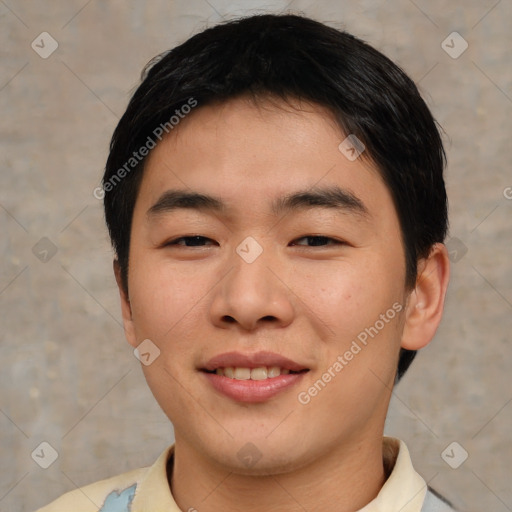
(426,302)
(126,309)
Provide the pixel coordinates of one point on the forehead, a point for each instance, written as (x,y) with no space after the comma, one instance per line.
(252,154)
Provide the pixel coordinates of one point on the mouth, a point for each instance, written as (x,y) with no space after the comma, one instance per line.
(252,377)
(259,373)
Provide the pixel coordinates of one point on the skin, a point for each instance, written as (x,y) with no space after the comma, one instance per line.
(303,301)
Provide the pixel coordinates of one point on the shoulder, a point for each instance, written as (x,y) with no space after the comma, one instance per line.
(140,489)
(115,493)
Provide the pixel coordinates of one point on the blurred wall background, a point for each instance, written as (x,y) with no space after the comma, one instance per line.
(67,376)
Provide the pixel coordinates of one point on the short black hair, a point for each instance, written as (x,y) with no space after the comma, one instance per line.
(291,57)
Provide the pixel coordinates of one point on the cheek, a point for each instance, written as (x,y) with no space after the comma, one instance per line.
(346,297)
(163,297)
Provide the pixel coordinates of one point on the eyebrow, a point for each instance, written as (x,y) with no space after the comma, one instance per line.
(333,197)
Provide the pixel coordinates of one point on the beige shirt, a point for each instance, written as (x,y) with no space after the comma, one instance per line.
(147,489)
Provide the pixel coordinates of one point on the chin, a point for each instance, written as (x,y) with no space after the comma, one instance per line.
(261,458)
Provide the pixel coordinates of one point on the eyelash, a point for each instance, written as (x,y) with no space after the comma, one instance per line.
(326,238)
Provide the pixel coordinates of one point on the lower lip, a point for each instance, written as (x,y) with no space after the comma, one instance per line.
(252,391)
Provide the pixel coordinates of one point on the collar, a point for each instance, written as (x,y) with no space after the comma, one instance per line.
(404,489)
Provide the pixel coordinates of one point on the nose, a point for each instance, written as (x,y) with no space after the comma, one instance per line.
(252,294)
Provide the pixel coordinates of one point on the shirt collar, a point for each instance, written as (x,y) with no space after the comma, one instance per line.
(404,489)
(153,492)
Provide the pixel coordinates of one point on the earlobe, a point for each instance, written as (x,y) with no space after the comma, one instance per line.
(126,309)
(426,302)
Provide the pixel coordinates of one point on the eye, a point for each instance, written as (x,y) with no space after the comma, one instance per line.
(317,241)
(190,241)
(305,241)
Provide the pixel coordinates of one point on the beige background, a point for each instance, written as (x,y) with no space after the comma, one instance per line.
(67,376)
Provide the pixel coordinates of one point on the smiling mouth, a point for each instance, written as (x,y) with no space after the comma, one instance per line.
(259,373)
(252,378)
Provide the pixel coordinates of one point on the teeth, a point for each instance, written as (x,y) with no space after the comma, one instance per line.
(242,373)
(274,371)
(260,373)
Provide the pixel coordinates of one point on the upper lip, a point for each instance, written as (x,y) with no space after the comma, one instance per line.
(255,360)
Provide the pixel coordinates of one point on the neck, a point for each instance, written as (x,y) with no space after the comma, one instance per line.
(350,476)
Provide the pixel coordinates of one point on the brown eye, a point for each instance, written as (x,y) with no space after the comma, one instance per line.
(190,241)
(316,241)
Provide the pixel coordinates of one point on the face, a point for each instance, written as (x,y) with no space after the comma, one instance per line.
(258,249)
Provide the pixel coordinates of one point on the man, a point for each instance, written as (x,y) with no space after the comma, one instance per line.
(275,198)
